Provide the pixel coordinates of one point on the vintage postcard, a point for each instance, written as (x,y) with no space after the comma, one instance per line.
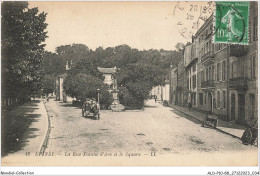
(171,83)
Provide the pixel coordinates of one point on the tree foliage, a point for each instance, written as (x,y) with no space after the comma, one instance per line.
(139,79)
(23,31)
(139,70)
(82,86)
(48,84)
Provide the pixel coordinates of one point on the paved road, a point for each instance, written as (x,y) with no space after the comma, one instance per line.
(156,129)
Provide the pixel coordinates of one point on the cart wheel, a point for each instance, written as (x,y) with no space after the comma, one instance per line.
(247,137)
(255,141)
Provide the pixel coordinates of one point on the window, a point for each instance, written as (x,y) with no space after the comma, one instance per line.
(234,69)
(200,98)
(255,29)
(224,70)
(252,107)
(194,98)
(194,68)
(224,99)
(210,47)
(210,71)
(218,72)
(202,75)
(218,99)
(253,67)
(190,83)
(207,74)
(194,81)
(199,81)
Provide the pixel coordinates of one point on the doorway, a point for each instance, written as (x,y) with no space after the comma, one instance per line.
(241,108)
(209,102)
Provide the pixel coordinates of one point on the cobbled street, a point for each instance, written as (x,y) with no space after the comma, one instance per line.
(156,129)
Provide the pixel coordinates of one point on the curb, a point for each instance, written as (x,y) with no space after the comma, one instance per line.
(45,141)
(234,136)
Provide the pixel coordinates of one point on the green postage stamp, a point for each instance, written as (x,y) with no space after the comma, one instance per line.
(231,22)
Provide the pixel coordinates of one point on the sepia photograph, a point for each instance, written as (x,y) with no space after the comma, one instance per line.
(120,83)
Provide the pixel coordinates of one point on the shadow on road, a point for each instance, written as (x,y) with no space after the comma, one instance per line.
(89,117)
(150,106)
(70,105)
(185,116)
(15,127)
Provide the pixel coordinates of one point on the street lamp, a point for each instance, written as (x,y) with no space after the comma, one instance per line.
(98,91)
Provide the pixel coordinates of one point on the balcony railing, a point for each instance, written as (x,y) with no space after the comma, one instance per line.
(209,54)
(238,50)
(208,83)
(239,83)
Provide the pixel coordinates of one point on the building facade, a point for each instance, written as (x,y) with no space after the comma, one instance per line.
(190,64)
(222,79)
(173,85)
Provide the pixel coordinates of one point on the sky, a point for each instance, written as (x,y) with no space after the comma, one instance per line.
(141,25)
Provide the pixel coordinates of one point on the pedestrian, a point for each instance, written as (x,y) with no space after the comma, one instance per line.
(155,98)
(190,105)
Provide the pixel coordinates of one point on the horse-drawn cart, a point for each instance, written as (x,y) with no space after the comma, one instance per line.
(91,107)
(209,121)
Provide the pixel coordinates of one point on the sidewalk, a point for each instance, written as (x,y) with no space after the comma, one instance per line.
(25,127)
(230,128)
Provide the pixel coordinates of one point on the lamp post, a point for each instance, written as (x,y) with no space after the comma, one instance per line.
(98,91)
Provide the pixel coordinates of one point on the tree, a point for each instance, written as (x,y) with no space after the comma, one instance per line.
(82,86)
(85,66)
(127,99)
(48,84)
(23,31)
(179,46)
(139,79)
(53,64)
(72,53)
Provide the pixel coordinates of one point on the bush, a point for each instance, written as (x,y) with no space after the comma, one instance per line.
(128,100)
(106,99)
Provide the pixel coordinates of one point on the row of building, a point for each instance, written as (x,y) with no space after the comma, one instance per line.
(218,78)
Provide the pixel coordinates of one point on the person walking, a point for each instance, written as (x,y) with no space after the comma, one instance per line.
(190,105)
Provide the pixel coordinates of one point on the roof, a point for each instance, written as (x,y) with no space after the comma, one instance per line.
(107,70)
(192,62)
(206,23)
